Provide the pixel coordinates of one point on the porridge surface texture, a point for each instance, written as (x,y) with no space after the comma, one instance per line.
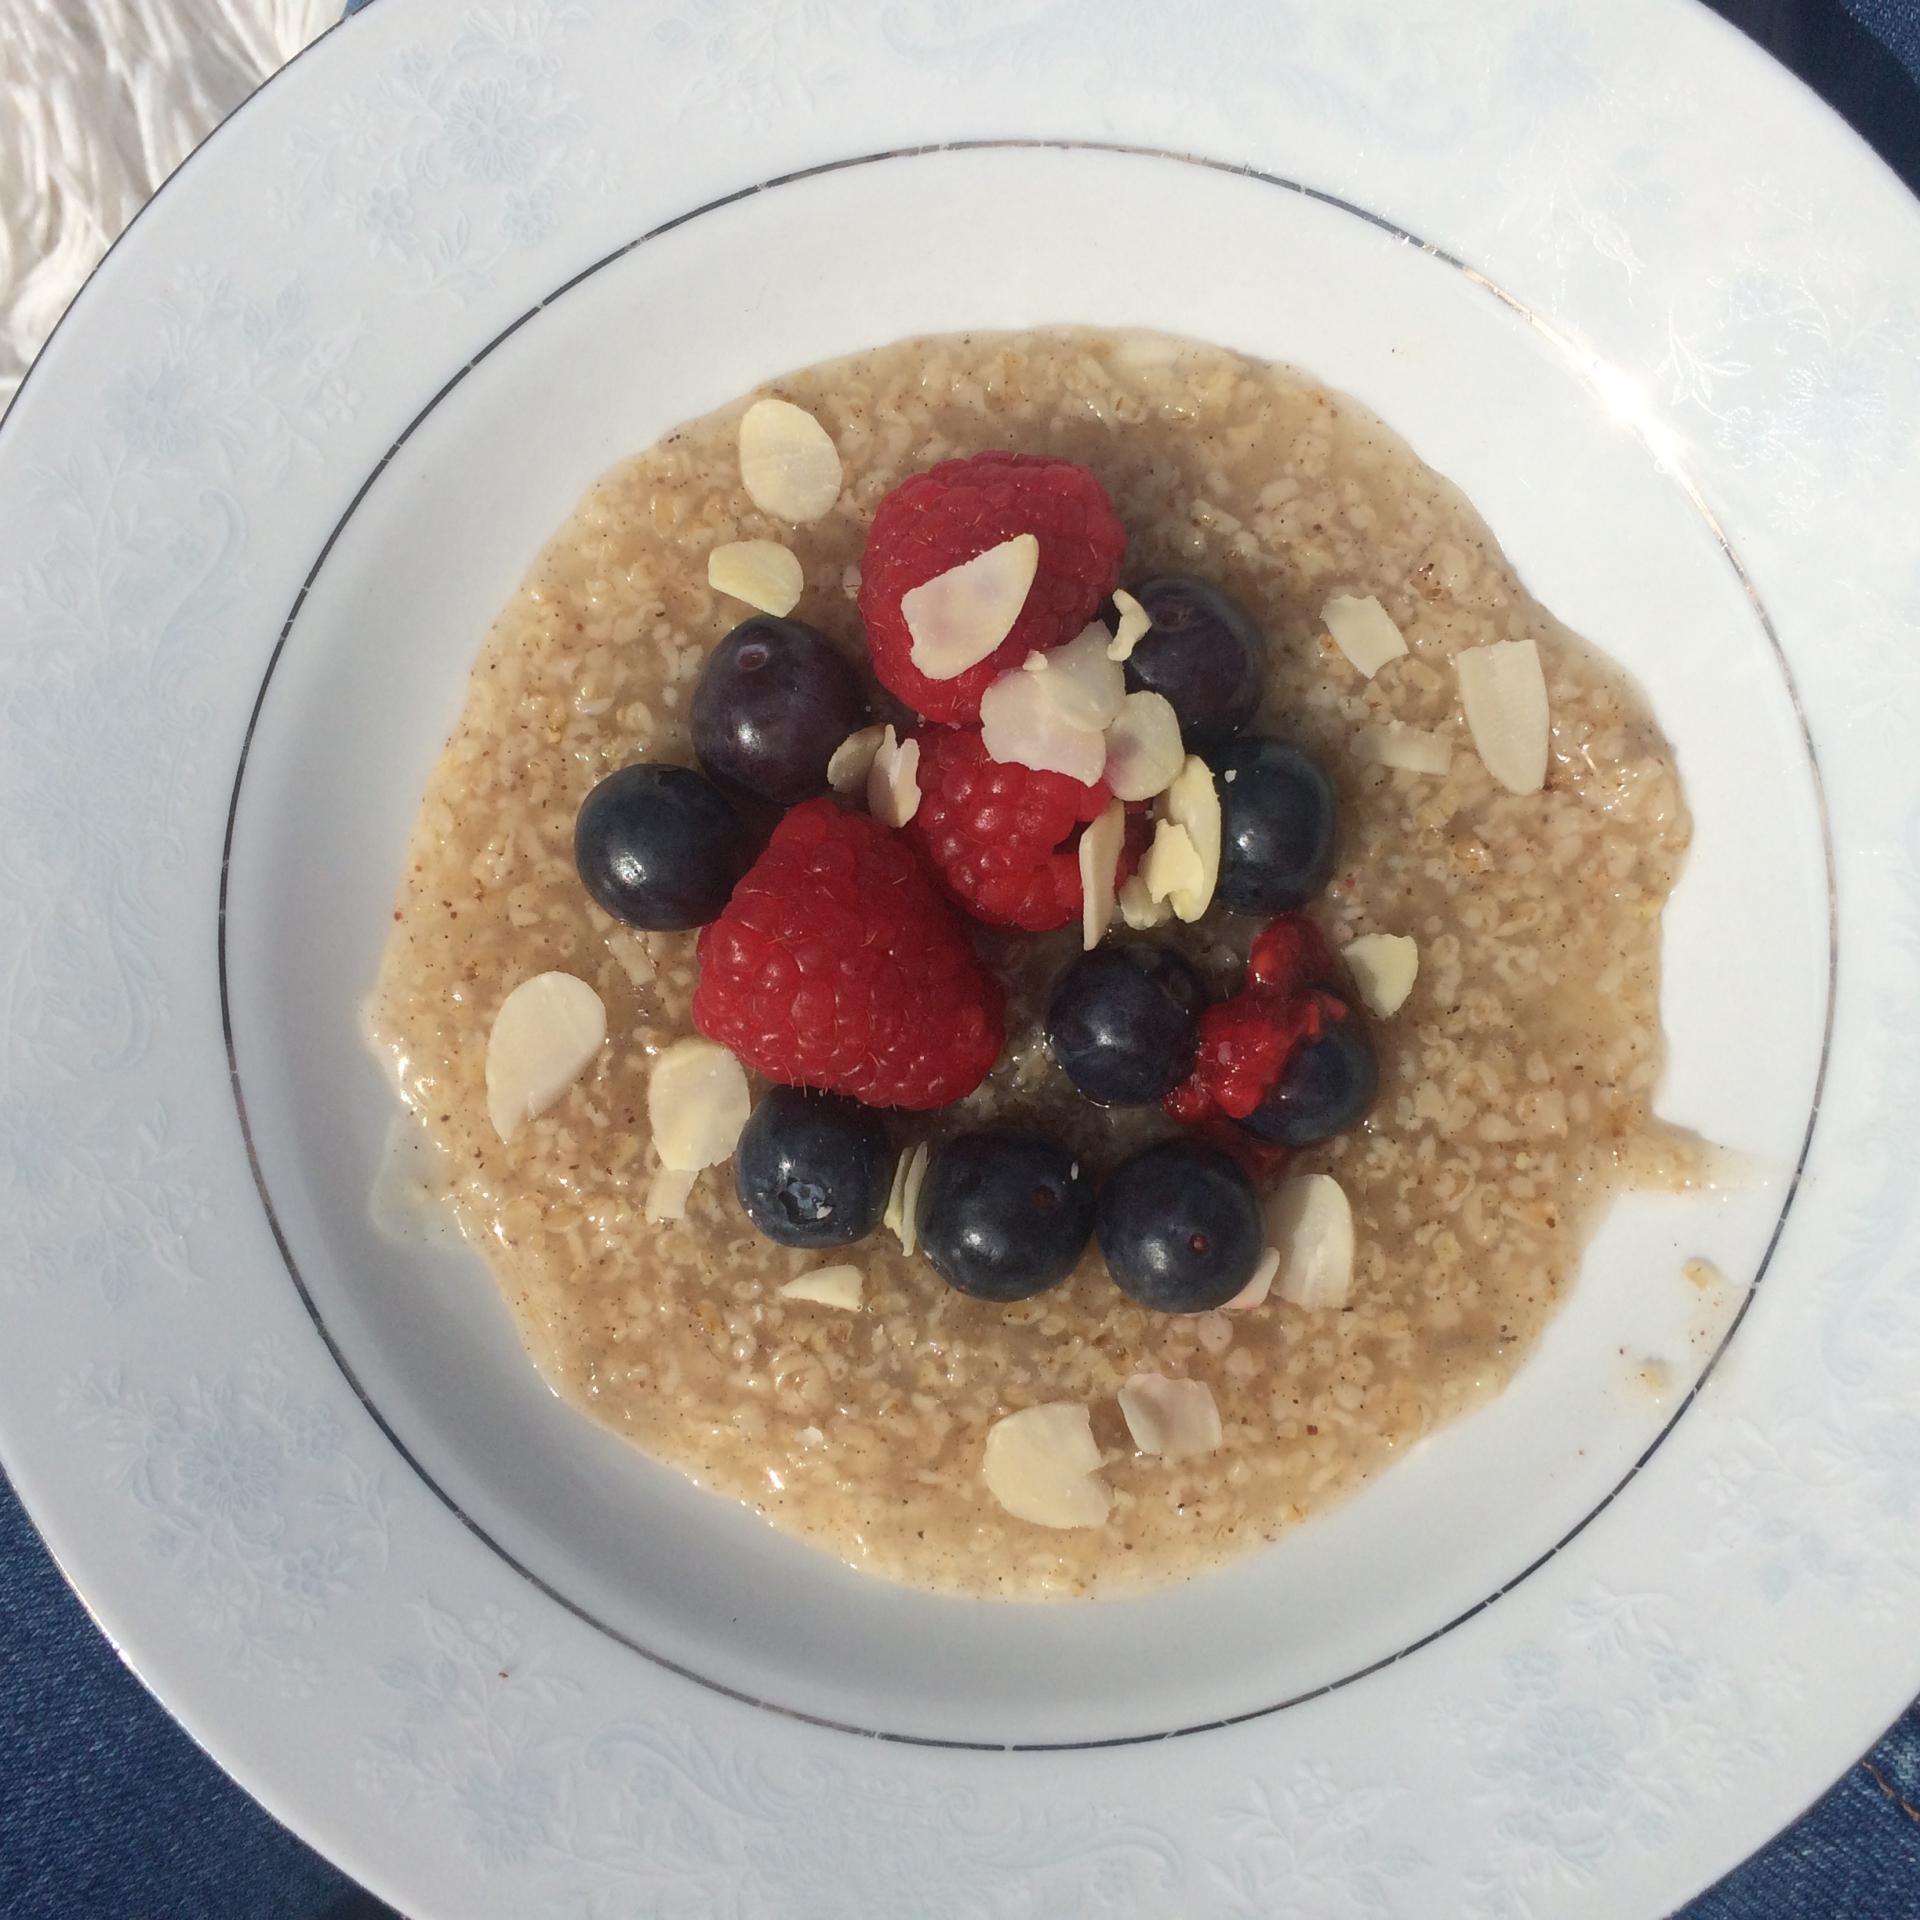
(1516,1083)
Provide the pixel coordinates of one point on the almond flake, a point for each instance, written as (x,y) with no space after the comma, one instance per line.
(1364,631)
(1384,967)
(1143,748)
(697,1102)
(1139,909)
(1311,1227)
(1408,749)
(893,781)
(1504,695)
(1173,1419)
(763,573)
(959,617)
(1042,1464)
(841,1286)
(902,1217)
(544,1036)
(788,462)
(1083,683)
(1021,726)
(1192,801)
(1254,1293)
(1100,848)
(1172,865)
(1135,621)
(668,1193)
(1035,662)
(853,758)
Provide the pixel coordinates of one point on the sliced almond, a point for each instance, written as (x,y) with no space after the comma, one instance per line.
(697,1102)
(1143,748)
(1139,909)
(1042,1465)
(893,781)
(1254,1293)
(668,1193)
(1504,695)
(1408,749)
(853,759)
(1134,623)
(763,573)
(841,1286)
(1021,726)
(1083,683)
(1035,662)
(1172,865)
(902,1217)
(1364,631)
(1311,1227)
(544,1036)
(1384,967)
(1100,848)
(958,617)
(1192,801)
(788,462)
(1173,1419)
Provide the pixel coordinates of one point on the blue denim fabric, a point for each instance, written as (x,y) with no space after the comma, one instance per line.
(109,1812)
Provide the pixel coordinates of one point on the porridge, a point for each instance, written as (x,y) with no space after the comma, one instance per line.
(1506,941)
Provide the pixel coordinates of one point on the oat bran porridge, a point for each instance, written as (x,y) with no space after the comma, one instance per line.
(1515,1080)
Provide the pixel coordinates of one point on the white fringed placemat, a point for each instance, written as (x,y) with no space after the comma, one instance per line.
(99,101)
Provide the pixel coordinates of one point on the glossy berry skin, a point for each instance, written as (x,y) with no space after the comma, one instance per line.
(1179,1225)
(1004,1215)
(1279,818)
(773,702)
(1326,1087)
(837,965)
(1204,654)
(658,847)
(1122,1022)
(812,1169)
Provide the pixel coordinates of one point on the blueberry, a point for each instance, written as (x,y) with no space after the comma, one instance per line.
(1004,1215)
(773,702)
(1204,653)
(658,847)
(1122,1022)
(1328,1085)
(1278,817)
(1180,1226)
(812,1169)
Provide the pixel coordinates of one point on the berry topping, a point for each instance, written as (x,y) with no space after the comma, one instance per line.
(1326,1086)
(774,702)
(1002,838)
(812,1169)
(1180,1226)
(837,965)
(1278,816)
(1290,954)
(1004,1215)
(940,519)
(1122,1022)
(658,847)
(1203,654)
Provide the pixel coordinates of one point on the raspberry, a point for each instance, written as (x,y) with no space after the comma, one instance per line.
(1246,1042)
(837,965)
(1003,839)
(1288,954)
(944,517)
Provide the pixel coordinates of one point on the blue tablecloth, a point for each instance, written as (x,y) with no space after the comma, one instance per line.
(109,1812)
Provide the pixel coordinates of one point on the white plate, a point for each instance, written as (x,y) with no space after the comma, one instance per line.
(1618,277)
